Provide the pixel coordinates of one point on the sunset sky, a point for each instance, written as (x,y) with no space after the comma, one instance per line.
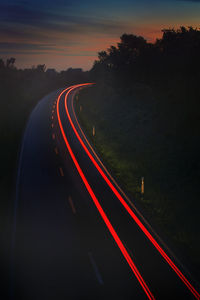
(69,33)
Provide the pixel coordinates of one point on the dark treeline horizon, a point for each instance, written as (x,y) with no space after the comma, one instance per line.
(134,60)
(170,63)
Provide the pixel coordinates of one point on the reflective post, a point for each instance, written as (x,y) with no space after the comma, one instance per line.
(142,186)
(93,130)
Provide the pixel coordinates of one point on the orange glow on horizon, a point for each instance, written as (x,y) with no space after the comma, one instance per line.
(80,52)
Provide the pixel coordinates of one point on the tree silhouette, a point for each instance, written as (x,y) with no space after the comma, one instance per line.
(10,62)
(2,65)
(175,55)
(40,68)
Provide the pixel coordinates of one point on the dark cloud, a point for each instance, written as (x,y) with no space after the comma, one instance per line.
(26,46)
(39,48)
(19,14)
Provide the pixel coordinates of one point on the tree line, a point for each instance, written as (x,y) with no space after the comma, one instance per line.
(173,57)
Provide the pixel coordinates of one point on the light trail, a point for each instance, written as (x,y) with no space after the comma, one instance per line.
(128,209)
(116,184)
(99,208)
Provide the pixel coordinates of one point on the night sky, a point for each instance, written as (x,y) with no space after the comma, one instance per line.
(63,33)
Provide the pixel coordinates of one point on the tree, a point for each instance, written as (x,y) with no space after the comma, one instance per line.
(131,42)
(10,62)
(41,68)
(2,65)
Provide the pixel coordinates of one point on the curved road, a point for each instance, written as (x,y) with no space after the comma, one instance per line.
(77,235)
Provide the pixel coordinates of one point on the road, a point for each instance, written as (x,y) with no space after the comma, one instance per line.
(77,235)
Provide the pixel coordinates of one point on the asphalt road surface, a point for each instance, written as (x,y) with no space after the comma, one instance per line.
(77,235)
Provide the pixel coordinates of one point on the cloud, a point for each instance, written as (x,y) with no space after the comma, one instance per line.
(28,31)
(23,21)
(26,46)
(19,14)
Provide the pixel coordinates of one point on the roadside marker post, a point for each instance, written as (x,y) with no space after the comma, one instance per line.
(93,130)
(142,186)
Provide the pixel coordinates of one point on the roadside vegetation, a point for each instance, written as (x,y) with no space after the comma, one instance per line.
(145,107)
(20,91)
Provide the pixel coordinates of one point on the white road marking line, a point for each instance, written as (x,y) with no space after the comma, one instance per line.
(72,204)
(96,270)
(61,171)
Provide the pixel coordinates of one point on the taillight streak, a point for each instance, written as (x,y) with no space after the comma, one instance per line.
(99,208)
(128,209)
(116,184)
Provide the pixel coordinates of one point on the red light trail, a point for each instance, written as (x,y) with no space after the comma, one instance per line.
(123,202)
(131,213)
(98,206)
